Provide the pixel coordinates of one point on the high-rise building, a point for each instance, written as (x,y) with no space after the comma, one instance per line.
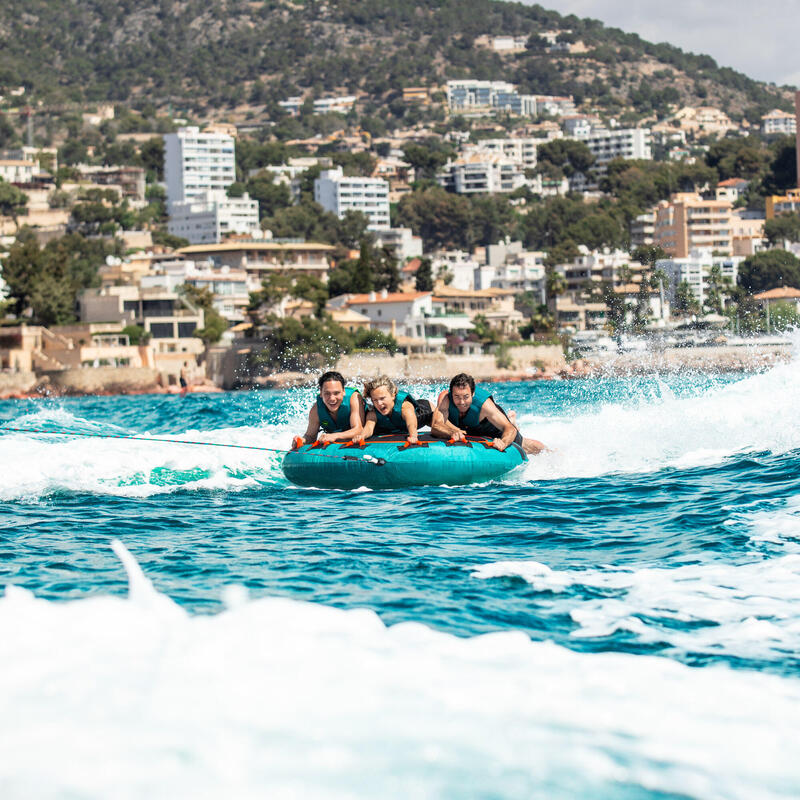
(196,162)
(339,193)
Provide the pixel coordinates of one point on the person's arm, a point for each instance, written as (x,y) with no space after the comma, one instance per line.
(441,426)
(410,418)
(491,412)
(356,429)
(369,425)
(313,426)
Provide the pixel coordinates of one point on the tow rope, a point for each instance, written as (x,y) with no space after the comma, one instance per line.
(366,457)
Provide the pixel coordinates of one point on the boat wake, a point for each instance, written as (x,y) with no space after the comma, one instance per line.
(284,698)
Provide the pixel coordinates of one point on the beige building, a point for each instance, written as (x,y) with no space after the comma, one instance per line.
(778,204)
(495,305)
(704,120)
(258,259)
(687,222)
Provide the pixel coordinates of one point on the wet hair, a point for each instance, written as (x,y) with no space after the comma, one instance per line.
(376,383)
(461,381)
(330,376)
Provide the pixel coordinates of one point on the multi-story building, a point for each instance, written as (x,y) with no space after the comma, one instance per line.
(730,189)
(596,266)
(606,145)
(210,219)
(196,162)
(747,232)
(401,241)
(496,306)
(520,150)
(780,204)
(688,222)
(695,269)
(643,229)
(14,170)
(779,122)
(229,287)
(337,193)
(130,180)
(488,97)
(481,173)
(322,105)
(260,258)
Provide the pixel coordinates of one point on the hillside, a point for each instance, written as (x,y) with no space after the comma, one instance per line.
(238,59)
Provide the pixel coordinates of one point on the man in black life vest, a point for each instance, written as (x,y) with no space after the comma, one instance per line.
(338,412)
(470,411)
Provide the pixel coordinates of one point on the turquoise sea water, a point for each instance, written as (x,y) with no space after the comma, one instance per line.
(620,619)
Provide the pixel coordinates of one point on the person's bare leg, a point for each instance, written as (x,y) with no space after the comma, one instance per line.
(533,447)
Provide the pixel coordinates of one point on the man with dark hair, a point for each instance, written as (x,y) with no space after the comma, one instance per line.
(338,412)
(470,411)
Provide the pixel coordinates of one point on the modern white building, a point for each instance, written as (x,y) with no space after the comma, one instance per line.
(779,122)
(488,97)
(521,150)
(480,173)
(456,268)
(14,170)
(210,219)
(401,241)
(196,162)
(338,193)
(606,145)
(695,270)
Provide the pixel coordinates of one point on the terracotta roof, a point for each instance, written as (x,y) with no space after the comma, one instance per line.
(732,182)
(452,291)
(781,293)
(391,297)
(412,266)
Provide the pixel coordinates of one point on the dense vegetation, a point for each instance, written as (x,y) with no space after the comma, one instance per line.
(196,55)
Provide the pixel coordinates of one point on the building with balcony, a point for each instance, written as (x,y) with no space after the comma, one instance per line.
(196,162)
(628,143)
(260,258)
(496,306)
(13,170)
(688,222)
(521,150)
(480,173)
(779,123)
(695,269)
(780,204)
(214,217)
(337,193)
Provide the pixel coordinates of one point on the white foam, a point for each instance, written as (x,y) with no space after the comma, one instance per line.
(749,610)
(125,698)
(659,430)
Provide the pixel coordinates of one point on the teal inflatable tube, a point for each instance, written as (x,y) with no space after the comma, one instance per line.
(388,462)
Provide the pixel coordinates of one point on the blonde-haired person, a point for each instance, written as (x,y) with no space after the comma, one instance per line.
(393,411)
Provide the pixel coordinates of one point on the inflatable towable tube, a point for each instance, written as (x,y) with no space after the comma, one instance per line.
(391,463)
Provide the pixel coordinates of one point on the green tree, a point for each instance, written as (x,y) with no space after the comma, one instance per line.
(685,301)
(784,227)
(423,281)
(363,279)
(769,270)
(13,201)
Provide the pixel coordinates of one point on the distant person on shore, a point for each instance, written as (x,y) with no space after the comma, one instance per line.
(183,379)
(338,412)
(471,411)
(397,412)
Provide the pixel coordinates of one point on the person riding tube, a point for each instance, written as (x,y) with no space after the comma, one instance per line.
(471,411)
(397,412)
(338,412)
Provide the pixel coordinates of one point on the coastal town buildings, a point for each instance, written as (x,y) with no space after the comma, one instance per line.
(695,269)
(338,193)
(196,162)
(260,258)
(212,218)
(779,204)
(688,221)
(478,97)
(199,166)
(780,123)
(607,144)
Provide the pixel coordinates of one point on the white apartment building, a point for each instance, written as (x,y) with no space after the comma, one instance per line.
(695,270)
(643,229)
(341,104)
(480,172)
(630,143)
(779,122)
(520,150)
(14,170)
(229,286)
(457,266)
(337,193)
(401,241)
(210,219)
(596,266)
(197,162)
